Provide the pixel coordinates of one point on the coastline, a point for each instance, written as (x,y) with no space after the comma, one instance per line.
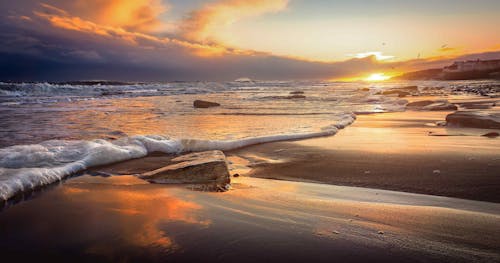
(391,151)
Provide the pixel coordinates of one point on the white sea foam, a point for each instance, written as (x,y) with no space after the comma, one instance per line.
(27,167)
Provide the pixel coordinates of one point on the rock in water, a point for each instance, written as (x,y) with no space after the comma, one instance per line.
(208,167)
(474,119)
(204,104)
(430,105)
(419,104)
(491,134)
(400,93)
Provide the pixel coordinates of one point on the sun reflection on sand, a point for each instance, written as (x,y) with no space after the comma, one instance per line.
(138,213)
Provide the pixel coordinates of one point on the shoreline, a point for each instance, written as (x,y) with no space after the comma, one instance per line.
(391,151)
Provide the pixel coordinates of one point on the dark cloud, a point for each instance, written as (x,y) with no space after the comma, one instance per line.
(49,43)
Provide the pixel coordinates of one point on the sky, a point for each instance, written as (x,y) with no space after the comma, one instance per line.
(164,40)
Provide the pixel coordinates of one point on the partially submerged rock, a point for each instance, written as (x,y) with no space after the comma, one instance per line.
(477,105)
(410,88)
(296,97)
(429,105)
(208,168)
(491,134)
(205,104)
(421,103)
(400,93)
(474,119)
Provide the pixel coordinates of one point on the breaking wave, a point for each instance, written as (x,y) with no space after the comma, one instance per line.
(24,168)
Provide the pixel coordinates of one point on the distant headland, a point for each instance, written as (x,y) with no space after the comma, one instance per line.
(459,70)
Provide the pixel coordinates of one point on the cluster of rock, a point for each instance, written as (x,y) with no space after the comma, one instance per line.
(484,119)
(201,170)
(487,90)
(474,119)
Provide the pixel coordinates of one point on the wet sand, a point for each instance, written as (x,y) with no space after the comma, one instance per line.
(388,151)
(124,219)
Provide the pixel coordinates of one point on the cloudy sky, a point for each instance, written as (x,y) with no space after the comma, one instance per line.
(155,40)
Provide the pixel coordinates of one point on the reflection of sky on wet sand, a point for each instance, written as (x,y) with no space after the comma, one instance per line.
(118,217)
(139,213)
(123,219)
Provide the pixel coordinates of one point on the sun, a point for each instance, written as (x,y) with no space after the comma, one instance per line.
(377,77)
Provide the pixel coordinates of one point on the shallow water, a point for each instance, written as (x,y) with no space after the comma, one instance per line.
(35,112)
(50,131)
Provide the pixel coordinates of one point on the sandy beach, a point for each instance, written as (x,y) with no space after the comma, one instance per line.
(391,151)
(320,216)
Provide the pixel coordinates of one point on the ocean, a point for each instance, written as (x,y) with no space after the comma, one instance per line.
(51,130)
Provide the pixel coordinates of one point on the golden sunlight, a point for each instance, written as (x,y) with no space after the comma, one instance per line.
(377,77)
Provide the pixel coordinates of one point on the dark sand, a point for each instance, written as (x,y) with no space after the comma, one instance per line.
(389,151)
(124,219)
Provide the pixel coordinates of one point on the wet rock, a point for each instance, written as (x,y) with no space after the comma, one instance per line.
(400,93)
(410,88)
(429,105)
(421,103)
(440,105)
(491,134)
(296,97)
(205,104)
(474,119)
(208,167)
(441,123)
(477,106)
(436,172)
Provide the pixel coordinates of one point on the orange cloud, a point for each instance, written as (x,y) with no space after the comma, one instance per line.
(133,15)
(61,19)
(202,25)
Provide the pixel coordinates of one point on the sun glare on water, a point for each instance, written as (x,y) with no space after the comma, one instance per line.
(377,77)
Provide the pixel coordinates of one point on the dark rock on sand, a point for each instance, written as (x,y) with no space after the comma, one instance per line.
(204,104)
(474,119)
(296,92)
(491,134)
(208,167)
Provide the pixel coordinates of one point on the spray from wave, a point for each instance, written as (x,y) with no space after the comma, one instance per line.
(28,167)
